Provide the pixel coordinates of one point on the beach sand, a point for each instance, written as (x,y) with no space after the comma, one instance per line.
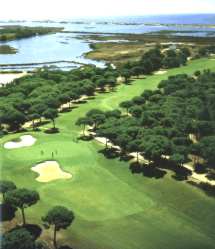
(6,78)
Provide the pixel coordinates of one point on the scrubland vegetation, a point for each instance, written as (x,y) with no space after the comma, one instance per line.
(130,47)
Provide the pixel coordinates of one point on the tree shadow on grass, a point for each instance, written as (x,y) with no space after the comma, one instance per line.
(150,170)
(211,176)
(206,187)
(139,77)
(52,131)
(7,212)
(22,130)
(44,122)
(40,244)
(125,158)
(86,138)
(103,91)
(91,97)
(180,173)
(109,153)
(36,129)
(65,247)
(136,168)
(68,109)
(34,230)
(200,168)
(153,172)
(81,102)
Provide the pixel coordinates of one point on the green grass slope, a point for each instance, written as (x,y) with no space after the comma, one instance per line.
(114,209)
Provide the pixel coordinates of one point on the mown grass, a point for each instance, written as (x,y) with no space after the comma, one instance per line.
(114,209)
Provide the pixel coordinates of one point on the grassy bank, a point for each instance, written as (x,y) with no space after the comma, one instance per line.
(114,209)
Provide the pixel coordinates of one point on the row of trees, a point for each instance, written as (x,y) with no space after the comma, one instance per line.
(206,50)
(19,237)
(155,59)
(42,94)
(176,120)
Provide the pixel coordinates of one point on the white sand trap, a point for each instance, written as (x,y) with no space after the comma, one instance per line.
(25,141)
(160,72)
(50,171)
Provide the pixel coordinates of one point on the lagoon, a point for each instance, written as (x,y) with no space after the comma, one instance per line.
(65,48)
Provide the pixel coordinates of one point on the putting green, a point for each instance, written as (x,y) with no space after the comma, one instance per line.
(114,209)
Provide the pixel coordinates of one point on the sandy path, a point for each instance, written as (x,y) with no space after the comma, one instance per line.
(68,104)
(50,171)
(198,177)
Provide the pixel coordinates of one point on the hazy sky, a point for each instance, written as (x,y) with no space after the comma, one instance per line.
(47,9)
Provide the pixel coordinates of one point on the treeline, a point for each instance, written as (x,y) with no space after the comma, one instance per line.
(174,122)
(18,32)
(156,59)
(207,50)
(26,236)
(42,94)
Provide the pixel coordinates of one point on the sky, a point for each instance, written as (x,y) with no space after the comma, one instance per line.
(68,9)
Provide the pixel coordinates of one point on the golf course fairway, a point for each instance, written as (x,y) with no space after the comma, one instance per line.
(114,209)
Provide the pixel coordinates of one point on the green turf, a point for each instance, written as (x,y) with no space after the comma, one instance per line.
(114,209)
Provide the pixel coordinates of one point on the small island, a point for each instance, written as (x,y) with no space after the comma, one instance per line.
(6,49)
(8,33)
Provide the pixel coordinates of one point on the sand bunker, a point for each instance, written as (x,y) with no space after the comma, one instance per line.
(160,72)
(25,141)
(50,171)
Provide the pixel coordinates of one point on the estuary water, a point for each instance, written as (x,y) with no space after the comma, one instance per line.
(66,49)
